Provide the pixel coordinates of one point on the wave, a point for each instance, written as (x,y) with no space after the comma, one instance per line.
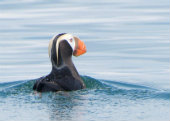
(95,86)
(133,91)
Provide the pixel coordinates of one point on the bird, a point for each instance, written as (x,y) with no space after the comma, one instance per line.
(64,75)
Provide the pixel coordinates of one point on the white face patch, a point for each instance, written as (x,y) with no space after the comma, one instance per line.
(68,37)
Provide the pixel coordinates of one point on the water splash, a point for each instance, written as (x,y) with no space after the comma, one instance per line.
(98,87)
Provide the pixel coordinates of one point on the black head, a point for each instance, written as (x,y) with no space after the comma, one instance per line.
(63,46)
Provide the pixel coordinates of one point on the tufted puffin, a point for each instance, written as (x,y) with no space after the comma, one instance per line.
(63,76)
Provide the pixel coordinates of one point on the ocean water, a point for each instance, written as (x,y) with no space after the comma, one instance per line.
(126,68)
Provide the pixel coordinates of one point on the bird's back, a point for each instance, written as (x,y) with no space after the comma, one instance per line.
(59,80)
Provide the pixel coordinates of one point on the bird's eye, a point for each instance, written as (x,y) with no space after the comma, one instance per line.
(71,40)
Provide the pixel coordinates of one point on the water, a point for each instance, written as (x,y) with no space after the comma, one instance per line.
(126,67)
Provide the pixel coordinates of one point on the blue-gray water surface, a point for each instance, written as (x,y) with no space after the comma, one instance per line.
(126,68)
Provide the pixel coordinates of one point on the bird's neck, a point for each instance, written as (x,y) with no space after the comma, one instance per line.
(65,60)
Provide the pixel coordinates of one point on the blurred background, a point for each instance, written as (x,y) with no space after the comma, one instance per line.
(127,40)
(127,60)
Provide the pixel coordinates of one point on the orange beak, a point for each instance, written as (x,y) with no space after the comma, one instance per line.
(80,47)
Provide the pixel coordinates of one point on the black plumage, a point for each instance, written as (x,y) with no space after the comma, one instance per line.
(64,76)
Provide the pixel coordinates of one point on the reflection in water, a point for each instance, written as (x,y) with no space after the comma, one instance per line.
(64,105)
(127,41)
(100,97)
(61,107)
